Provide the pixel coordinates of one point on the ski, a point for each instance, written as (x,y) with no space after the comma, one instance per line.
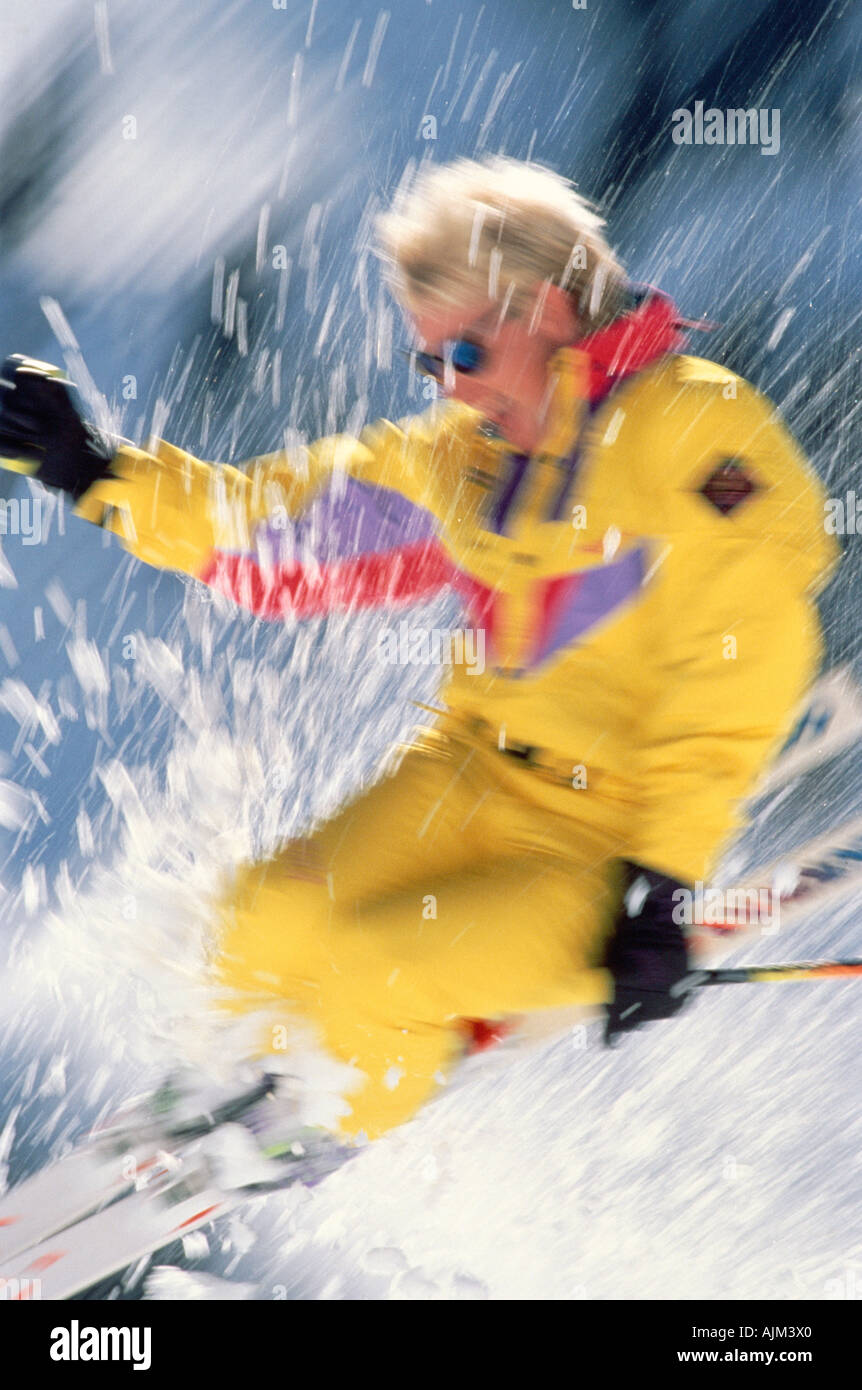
(105,1168)
(183,1190)
(829,722)
(814,875)
(186,1190)
(58,1195)
(173,1204)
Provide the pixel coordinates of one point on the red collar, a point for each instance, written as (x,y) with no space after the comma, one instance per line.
(631,342)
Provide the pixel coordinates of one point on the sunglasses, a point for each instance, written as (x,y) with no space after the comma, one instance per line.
(464,357)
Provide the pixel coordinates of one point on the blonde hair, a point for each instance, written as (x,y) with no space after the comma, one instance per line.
(494,229)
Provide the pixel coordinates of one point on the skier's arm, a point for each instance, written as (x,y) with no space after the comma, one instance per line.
(737,640)
(176,512)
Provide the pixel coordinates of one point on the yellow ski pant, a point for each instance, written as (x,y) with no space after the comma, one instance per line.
(444,893)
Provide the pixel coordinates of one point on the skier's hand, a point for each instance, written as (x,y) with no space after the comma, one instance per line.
(43,431)
(647,955)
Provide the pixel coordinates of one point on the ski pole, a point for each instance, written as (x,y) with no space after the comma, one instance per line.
(777,974)
(597,989)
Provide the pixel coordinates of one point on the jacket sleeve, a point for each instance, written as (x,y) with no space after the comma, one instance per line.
(736,638)
(273,529)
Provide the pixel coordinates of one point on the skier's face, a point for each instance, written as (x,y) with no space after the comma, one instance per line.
(511,385)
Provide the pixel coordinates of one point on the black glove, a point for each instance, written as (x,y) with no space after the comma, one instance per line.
(42,422)
(647,954)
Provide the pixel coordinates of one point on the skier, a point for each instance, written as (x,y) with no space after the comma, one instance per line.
(640,542)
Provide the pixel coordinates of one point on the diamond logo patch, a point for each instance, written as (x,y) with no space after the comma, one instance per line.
(728,485)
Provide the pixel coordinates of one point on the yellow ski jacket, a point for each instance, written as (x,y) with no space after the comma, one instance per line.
(643,584)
